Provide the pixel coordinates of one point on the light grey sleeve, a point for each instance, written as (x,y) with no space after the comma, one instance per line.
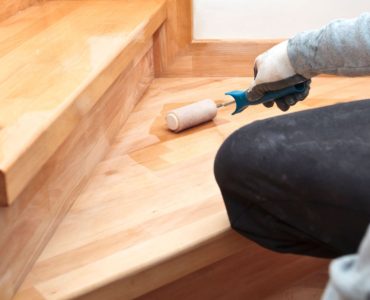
(350,275)
(341,48)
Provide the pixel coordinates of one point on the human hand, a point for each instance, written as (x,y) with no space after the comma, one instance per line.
(273,71)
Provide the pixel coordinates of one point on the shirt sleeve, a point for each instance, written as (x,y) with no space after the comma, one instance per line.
(340,48)
(350,275)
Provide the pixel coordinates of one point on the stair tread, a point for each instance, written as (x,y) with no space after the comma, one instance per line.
(57,58)
(153,200)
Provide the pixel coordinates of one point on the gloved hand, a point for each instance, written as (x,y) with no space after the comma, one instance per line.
(273,71)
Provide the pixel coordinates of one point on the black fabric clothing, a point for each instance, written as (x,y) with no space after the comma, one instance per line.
(300,183)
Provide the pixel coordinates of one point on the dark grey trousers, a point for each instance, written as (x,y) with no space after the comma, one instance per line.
(300,183)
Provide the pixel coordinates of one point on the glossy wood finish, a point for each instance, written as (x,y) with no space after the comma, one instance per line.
(254,273)
(210,58)
(29,222)
(178,55)
(66,54)
(11,7)
(174,36)
(151,212)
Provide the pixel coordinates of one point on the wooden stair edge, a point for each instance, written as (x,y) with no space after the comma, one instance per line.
(27,224)
(151,201)
(253,273)
(170,269)
(157,267)
(19,164)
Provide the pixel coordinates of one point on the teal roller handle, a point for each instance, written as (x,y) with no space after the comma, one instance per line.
(242,101)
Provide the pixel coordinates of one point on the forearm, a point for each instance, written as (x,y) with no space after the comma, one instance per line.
(340,48)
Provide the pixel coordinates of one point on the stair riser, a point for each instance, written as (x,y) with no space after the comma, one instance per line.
(27,225)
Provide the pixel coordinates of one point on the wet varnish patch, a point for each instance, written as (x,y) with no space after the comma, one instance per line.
(161,155)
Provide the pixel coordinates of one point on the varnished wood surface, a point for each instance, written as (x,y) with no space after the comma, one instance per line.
(178,55)
(209,58)
(27,225)
(254,273)
(11,7)
(56,61)
(153,202)
(174,36)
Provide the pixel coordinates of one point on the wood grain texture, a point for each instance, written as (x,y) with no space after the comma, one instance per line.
(27,225)
(254,273)
(11,7)
(217,58)
(178,55)
(153,200)
(174,36)
(66,54)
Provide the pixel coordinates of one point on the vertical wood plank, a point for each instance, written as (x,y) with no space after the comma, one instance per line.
(174,36)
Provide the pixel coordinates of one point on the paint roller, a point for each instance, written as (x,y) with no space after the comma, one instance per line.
(205,110)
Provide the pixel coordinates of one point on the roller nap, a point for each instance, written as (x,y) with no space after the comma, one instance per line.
(191,115)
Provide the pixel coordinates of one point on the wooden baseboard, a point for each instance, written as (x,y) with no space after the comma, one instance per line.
(216,58)
(177,55)
(27,225)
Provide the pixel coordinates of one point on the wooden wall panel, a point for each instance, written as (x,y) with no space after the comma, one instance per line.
(27,225)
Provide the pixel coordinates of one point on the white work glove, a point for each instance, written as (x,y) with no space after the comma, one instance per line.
(273,71)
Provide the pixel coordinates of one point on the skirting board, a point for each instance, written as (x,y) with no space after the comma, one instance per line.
(176,54)
(216,59)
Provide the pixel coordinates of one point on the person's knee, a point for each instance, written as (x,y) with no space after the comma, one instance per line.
(222,163)
(244,153)
(250,167)
(228,160)
(235,168)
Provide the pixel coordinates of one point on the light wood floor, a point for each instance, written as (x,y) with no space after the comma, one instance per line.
(154,196)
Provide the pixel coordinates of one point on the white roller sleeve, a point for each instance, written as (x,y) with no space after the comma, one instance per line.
(191,115)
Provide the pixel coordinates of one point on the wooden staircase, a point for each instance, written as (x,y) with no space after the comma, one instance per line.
(99,200)
(71,73)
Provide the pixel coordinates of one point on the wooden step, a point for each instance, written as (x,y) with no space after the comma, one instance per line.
(57,59)
(253,273)
(71,73)
(151,212)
